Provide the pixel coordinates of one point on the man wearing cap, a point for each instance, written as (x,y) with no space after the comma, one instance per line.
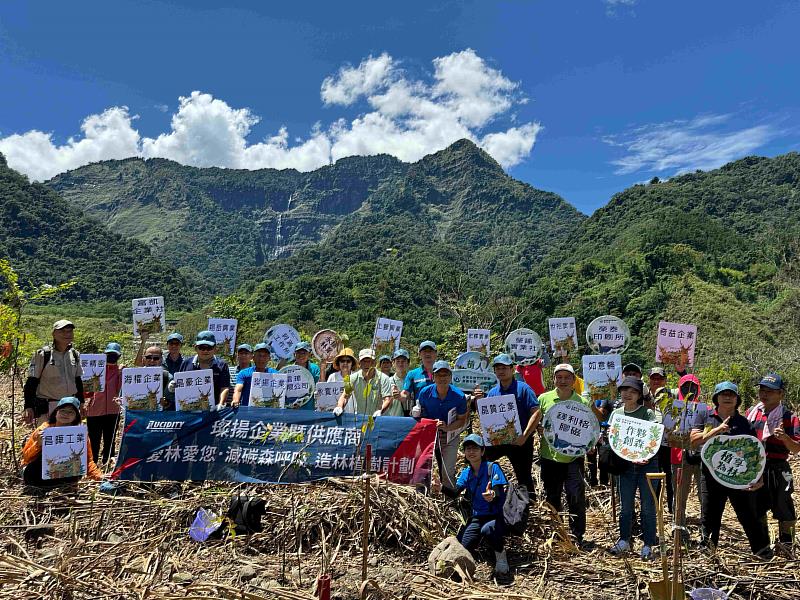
(725,419)
(400,362)
(422,376)
(778,428)
(241,393)
(174,358)
(55,372)
(244,360)
(204,345)
(385,364)
(302,358)
(435,402)
(102,409)
(371,389)
(520,453)
(562,473)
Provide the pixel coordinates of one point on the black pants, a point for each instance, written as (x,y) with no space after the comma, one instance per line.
(714,495)
(665,466)
(566,477)
(776,496)
(102,428)
(521,458)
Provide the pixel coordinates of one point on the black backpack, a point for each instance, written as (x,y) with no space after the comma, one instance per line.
(245,514)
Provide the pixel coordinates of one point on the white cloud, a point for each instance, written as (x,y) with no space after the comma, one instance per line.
(685,145)
(404,117)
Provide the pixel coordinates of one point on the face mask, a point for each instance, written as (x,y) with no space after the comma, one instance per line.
(112,358)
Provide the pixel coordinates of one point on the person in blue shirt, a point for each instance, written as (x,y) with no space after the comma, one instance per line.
(302,358)
(420,377)
(205,345)
(520,453)
(483,483)
(244,378)
(435,402)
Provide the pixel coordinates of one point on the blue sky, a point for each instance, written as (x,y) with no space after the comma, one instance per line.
(581,97)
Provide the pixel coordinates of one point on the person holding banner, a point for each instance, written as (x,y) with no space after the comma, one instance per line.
(153,357)
(483,484)
(635,477)
(174,358)
(244,379)
(422,376)
(302,358)
(435,402)
(520,453)
(726,420)
(562,473)
(66,413)
(205,344)
(778,428)
(244,360)
(400,362)
(371,391)
(102,410)
(55,372)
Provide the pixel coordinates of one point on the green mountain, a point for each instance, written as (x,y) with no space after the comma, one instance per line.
(218,224)
(49,241)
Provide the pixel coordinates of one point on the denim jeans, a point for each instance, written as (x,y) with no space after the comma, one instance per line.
(488,527)
(631,480)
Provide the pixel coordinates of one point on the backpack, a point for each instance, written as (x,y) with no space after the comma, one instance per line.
(610,462)
(516,509)
(246,512)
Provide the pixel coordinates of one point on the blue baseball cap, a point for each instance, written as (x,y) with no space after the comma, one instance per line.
(302,346)
(247,347)
(473,438)
(175,337)
(427,344)
(113,348)
(725,386)
(384,357)
(205,338)
(70,401)
(262,346)
(772,380)
(399,353)
(440,365)
(503,359)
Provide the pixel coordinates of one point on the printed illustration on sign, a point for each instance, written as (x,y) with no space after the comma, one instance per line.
(602,373)
(94,372)
(142,388)
(735,461)
(676,343)
(478,341)
(268,390)
(281,340)
(608,335)
(194,390)
(471,369)
(299,386)
(563,336)
(524,346)
(64,452)
(570,428)
(499,419)
(634,439)
(328,395)
(326,344)
(386,338)
(148,316)
(224,331)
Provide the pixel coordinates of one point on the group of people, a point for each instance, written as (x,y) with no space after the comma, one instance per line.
(388,387)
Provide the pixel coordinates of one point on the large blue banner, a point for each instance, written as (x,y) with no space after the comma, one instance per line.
(264,445)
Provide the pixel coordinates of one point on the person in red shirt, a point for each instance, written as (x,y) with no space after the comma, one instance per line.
(102,409)
(778,428)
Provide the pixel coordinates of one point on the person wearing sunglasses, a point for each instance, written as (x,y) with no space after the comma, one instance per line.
(205,345)
(153,357)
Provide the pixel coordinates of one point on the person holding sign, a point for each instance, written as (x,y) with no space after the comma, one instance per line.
(400,362)
(102,410)
(205,344)
(563,473)
(371,389)
(153,357)
(244,378)
(55,372)
(726,420)
(778,428)
(302,358)
(422,376)
(634,477)
(435,402)
(66,413)
(483,483)
(520,453)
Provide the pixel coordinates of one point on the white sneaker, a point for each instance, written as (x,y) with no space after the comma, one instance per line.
(647,552)
(500,563)
(620,547)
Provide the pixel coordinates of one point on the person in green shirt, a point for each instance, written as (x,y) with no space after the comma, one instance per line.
(563,473)
(372,390)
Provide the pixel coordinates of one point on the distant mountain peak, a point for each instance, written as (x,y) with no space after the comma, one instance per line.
(463,152)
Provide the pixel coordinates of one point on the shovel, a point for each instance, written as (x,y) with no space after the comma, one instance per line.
(659,590)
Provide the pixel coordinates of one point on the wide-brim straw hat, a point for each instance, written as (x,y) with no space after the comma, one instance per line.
(346,353)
